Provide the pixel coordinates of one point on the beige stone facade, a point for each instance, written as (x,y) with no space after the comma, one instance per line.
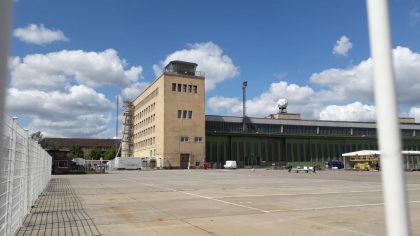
(169,120)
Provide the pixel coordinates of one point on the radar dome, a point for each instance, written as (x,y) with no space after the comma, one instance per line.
(282,103)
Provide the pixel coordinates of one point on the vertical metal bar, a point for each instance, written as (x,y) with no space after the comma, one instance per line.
(5,20)
(393,182)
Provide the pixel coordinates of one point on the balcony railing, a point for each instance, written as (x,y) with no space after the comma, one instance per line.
(190,73)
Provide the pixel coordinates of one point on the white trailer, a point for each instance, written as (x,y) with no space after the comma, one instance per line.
(127,163)
(230,165)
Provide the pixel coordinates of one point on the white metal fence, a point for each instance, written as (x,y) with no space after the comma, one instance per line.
(25,169)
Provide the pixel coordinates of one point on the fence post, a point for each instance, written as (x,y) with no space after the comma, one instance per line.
(10,177)
(26,175)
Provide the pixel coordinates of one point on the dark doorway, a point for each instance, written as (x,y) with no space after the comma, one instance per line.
(184,159)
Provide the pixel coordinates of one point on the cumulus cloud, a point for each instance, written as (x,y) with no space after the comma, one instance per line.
(217,66)
(351,112)
(61,108)
(356,82)
(342,46)
(340,94)
(38,34)
(56,70)
(57,90)
(221,103)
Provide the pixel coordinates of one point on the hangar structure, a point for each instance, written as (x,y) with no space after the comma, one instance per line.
(283,142)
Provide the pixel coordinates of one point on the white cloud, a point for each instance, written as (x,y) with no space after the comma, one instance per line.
(217,66)
(56,91)
(356,83)
(342,46)
(67,110)
(38,34)
(56,70)
(351,112)
(341,94)
(220,103)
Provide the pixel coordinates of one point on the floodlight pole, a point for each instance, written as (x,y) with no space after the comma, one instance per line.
(244,85)
(5,22)
(393,181)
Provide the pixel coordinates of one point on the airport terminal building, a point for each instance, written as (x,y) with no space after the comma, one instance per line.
(167,122)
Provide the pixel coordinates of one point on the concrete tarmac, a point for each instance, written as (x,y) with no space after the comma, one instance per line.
(225,202)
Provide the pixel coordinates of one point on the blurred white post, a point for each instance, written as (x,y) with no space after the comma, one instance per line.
(393,181)
(5,21)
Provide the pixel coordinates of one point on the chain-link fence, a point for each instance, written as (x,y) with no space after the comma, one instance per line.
(25,169)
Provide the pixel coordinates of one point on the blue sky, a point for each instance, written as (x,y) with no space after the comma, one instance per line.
(282,48)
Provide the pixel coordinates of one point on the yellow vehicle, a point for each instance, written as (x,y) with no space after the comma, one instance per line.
(365,162)
(363,166)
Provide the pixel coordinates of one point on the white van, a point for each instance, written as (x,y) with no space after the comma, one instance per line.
(230,165)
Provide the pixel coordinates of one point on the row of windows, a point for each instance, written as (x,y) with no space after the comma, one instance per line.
(184,114)
(145,112)
(145,132)
(185,88)
(145,142)
(185,139)
(279,152)
(145,122)
(213,126)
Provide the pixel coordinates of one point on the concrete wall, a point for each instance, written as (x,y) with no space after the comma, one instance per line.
(176,128)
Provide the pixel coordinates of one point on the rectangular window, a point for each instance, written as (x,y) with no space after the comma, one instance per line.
(189,114)
(184,114)
(179,87)
(195,88)
(184,139)
(179,114)
(184,88)
(174,87)
(190,88)
(198,139)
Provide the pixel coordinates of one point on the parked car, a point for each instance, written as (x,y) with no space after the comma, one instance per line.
(335,163)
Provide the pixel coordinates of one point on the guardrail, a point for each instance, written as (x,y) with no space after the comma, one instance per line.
(191,73)
(25,169)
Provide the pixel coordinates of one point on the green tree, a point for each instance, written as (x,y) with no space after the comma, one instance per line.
(110,154)
(94,154)
(37,136)
(75,151)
